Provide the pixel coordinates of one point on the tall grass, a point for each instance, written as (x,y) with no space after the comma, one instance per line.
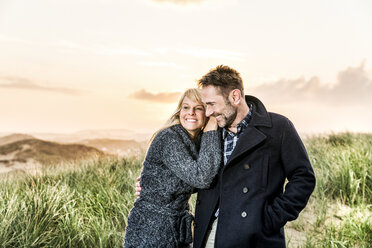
(71,207)
(343,165)
(339,212)
(87,204)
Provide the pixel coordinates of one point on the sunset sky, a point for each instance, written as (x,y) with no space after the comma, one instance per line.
(121,64)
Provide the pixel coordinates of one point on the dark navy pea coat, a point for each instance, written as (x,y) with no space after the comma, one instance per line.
(249,189)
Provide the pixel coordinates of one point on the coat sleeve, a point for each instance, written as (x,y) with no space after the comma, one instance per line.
(198,172)
(301,181)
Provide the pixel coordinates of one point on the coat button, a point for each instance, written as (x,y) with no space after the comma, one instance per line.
(247,166)
(197,202)
(244,214)
(245,190)
(194,225)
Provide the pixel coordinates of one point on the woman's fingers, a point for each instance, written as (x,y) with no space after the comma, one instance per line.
(138,187)
(211,124)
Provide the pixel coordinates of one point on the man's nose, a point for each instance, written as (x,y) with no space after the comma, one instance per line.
(209,111)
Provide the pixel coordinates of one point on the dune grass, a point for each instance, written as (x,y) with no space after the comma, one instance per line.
(339,213)
(86,204)
(82,205)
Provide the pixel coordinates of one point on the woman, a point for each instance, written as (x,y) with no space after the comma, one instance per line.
(179,158)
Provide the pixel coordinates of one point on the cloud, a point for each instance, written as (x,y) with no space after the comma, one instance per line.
(203,53)
(316,107)
(179,2)
(117,50)
(161,64)
(99,49)
(212,53)
(108,50)
(162,97)
(27,84)
(352,87)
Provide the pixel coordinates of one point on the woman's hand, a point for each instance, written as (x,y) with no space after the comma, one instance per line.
(138,187)
(211,124)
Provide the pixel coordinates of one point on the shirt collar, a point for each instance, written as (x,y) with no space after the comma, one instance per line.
(241,125)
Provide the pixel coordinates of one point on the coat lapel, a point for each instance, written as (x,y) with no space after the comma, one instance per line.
(250,138)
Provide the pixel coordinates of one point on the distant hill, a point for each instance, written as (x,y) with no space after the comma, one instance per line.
(14,137)
(116,146)
(44,152)
(77,137)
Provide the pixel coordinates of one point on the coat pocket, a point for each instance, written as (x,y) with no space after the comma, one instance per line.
(267,224)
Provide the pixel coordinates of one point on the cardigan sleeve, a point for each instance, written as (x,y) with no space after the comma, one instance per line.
(198,172)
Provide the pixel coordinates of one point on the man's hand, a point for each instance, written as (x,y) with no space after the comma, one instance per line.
(138,187)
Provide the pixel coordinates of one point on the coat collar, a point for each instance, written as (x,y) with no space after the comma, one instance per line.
(260,117)
(252,136)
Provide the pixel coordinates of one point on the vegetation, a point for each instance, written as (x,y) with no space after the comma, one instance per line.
(68,207)
(339,212)
(86,204)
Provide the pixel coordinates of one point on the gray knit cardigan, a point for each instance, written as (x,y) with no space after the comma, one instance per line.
(173,166)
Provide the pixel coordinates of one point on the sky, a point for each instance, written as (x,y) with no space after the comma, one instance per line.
(74,65)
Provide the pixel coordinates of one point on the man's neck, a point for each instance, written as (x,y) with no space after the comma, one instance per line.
(242,112)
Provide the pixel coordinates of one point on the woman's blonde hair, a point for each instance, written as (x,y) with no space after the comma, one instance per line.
(194,95)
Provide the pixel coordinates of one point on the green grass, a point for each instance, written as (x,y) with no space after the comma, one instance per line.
(87,204)
(339,213)
(71,207)
(343,165)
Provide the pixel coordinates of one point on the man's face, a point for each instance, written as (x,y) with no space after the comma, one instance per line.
(218,106)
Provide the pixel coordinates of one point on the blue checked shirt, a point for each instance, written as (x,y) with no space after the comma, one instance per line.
(230,139)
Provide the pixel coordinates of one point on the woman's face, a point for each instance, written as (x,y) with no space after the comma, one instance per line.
(192,116)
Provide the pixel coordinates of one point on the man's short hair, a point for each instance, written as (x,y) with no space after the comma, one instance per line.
(224,78)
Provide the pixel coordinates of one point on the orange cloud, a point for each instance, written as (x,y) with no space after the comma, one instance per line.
(162,97)
(27,84)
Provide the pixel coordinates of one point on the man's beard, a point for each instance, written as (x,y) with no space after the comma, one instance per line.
(229,115)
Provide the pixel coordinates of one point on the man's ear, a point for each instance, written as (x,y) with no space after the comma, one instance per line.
(235,96)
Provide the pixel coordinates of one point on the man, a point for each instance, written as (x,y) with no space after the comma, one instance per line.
(246,205)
